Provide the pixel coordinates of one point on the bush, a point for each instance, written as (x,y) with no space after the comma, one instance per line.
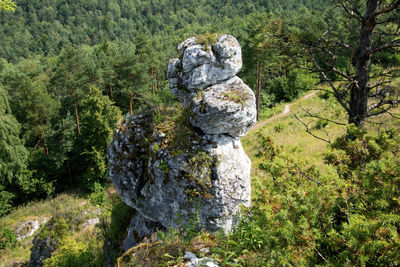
(71,253)
(7,239)
(98,197)
(5,201)
(368,214)
(288,87)
(290,212)
(298,217)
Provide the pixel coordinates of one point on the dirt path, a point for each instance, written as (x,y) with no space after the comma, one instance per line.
(284,112)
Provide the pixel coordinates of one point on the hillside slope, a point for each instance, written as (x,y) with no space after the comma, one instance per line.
(286,131)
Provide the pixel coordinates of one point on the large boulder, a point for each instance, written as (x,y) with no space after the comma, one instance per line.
(225,108)
(205,62)
(189,165)
(186,174)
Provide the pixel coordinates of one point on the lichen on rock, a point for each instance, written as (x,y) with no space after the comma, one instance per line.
(190,163)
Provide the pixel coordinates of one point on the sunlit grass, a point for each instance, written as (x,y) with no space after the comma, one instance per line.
(36,211)
(289,133)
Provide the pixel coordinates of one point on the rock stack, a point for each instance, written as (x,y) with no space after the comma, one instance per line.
(193,169)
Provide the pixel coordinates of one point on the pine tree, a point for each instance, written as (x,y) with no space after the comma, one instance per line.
(13,154)
(99,117)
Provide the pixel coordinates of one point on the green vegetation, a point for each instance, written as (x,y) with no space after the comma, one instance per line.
(8,240)
(70,69)
(236,96)
(207,39)
(67,230)
(7,5)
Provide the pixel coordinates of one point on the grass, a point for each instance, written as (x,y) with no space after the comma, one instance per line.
(33,211)
(47,209)
(289,133)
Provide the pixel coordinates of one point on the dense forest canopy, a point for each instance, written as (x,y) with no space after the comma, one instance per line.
(45,27)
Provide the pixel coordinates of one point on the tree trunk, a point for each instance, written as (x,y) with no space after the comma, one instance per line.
(152,81)
(130,103)
(45,148)
(111,94)
(359,92)
(76,111)
(258,87)
(157,82)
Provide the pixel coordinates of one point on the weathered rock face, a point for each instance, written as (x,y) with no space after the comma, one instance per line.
(193,166)
(225,108)
(205,64)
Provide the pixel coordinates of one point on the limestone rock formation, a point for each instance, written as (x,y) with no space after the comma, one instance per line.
(190,164)
(225,108)
(204,64)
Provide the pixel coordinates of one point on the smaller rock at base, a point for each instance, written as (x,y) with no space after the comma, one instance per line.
(139,228)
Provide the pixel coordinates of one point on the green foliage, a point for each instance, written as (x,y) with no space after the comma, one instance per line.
(98,120)
(321,124)
(7,5)
(279,127)
(63,23)
(289,86)
(8,239)
(368,201)
(207,39)
(12,152)
(98,197)
(71,253)
(300,217)
(289,214)
(5,201)
(13,155)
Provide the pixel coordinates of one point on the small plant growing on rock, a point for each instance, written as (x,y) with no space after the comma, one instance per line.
(237,96)
(207,39)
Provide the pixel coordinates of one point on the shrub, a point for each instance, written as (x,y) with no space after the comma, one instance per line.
(5,201)
(368,214)
(98,197)
(290,213)
(71,253)
(7,239)
(298,217)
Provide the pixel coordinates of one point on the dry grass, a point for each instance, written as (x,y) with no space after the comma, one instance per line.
(291,134)
(167,252)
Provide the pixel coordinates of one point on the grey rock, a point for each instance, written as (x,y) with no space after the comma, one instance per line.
(205,250)
(197,262)
(41,250)
(27,229)
(189,256)
(204,65)
(210,180)
(225,108)
(126,153)
(139,228)
(185,44)
(170,178)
